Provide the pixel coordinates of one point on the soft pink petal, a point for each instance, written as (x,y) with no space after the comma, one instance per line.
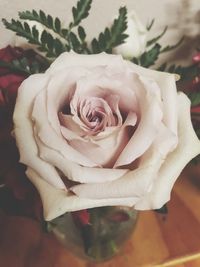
(151,117)
(102,85)
(133,184)
(68,122)
(23,129)
(188,147)
(167,84)
(72,59)
(50,137)
(77,173)
(108,148)
(57,202)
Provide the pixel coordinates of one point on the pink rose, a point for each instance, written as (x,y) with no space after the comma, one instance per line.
(96,130)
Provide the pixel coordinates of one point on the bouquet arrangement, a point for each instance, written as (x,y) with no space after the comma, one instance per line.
(94,125)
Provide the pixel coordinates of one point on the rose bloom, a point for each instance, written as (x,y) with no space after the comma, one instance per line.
(96,130)
(135,43)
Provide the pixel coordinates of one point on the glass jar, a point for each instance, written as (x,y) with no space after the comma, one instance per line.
(101,237)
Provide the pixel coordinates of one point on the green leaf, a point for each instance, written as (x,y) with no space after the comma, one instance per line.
(162,67)
(135,60)
(43,17)
(112,37)
(26,27)
(22,66)
(118,28)
(154,40)
(57,25)
(81,33)
(58,46)
(50,42)
(64,32)
(46,43)
(185,72)
(46,20)
(44,37)
(81,11)
(35,33)
(195,98)
(148,58)
(50,21)
(196,160)
(22,30)
(172,47)
(74,41)
(95,46)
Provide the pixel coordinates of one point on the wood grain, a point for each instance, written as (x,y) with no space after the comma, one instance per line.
(172,240)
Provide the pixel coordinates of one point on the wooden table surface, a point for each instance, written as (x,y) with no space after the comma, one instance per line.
(172,240)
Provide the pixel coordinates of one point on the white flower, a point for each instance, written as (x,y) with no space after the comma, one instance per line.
(96,130)
(135,44)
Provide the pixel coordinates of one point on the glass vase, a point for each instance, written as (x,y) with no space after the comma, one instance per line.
(99,238)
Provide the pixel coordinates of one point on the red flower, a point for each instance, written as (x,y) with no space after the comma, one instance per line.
(9,81)
(18,196)
(196,58)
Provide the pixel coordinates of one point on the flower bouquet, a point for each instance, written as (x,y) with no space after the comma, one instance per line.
(100,134)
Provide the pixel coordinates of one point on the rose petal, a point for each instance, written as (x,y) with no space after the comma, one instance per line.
(57,202)
(72,59)
(167,85)
(24,132)
(50,137)
(103,85)
(75,172)
(151,116)
(107,145)
(188,147)
(132,184)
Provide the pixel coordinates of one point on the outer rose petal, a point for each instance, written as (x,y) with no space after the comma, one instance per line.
(77,173)
(166,82)
(72,59)
(56,202)
(151,117)
(24,132)
(188,147)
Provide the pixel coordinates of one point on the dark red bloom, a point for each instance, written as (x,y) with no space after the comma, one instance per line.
(18,196)
(195,109)
(9,81)
(8,54)
(196,58)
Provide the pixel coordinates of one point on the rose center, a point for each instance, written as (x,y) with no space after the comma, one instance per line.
(95,113)
(95,119)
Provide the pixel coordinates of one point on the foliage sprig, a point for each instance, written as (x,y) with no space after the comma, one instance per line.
(54,39)
(52,47)
(112,37)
